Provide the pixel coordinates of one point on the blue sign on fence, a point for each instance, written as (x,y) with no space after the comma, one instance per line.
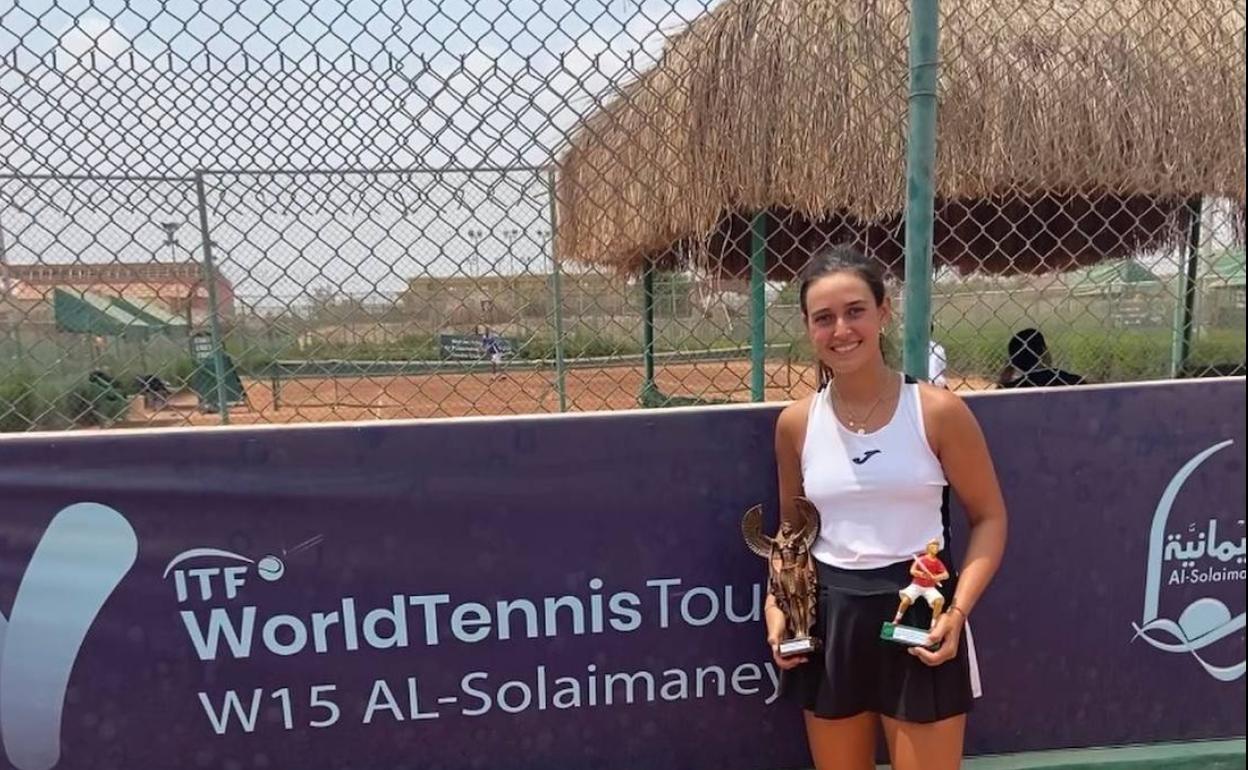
(470,347)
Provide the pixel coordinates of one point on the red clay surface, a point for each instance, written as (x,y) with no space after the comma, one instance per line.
(519,392)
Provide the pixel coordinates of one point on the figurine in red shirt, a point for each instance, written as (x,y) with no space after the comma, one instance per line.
(927,573)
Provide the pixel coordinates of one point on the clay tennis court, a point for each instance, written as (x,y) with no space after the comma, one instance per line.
(521,391)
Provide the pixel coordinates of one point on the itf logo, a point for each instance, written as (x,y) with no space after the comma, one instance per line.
(1203,564)
(270,568)
(85,552)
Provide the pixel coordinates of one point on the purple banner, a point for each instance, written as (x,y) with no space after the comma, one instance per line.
(575,592)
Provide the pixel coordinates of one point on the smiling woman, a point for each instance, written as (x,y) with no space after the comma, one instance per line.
(820,320)
(876,453)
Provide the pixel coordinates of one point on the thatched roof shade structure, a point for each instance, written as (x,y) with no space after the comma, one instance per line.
(1070,131)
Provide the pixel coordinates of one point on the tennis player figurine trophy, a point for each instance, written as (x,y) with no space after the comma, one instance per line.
(790,570)
(927,573)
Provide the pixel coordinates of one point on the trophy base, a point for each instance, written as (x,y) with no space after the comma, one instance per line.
(907,636)
(800,645)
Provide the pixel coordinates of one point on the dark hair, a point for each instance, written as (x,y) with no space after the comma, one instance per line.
(842,259)
(831,260)
(1027,349)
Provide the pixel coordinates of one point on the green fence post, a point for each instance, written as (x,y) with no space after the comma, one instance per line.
(758,306)
(920,184)
(648,387)
(13,332)
(561,374)
(1185,304)
(214,320)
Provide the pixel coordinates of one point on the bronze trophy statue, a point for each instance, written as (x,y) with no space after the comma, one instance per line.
(791,571)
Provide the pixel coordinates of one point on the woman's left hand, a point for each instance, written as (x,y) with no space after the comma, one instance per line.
(947,631)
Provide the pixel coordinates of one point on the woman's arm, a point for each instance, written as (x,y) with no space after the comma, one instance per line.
(790,430)
(963,453)
(959,444)
(790,433)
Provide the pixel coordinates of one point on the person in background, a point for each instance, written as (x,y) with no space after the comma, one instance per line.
(937,362)
(1030,365)
(492,344)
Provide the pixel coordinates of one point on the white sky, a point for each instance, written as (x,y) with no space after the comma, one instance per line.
(148,87)
(114,87)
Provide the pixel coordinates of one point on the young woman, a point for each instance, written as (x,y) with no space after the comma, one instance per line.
(876,453)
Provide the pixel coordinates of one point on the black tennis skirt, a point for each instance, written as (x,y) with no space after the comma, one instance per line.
(856,671)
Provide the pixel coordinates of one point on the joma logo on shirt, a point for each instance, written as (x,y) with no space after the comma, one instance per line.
(865,456)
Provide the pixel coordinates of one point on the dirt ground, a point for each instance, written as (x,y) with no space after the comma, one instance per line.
(519,392)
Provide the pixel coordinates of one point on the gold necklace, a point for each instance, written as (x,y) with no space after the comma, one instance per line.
(860,426)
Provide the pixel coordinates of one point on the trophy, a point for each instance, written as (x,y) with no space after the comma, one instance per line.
(927,573)
(790,571)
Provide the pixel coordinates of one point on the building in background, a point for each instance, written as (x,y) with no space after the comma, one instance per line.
(178,288)
(463,301)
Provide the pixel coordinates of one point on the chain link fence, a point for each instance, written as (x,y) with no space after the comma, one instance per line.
(287,211)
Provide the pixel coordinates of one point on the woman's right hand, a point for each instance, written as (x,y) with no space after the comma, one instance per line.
(775,632)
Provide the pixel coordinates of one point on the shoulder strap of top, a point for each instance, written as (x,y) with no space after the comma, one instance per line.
(812,415)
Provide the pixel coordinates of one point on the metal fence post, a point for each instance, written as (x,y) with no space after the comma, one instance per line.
(13,331)
(214,319)
(920,184)
(1185,304)
(556,280)
(758,306)
(648,386)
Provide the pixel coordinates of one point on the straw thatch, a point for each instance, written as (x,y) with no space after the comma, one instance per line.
(1070,131)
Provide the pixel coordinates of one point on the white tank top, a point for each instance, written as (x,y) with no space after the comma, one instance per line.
(880,495)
